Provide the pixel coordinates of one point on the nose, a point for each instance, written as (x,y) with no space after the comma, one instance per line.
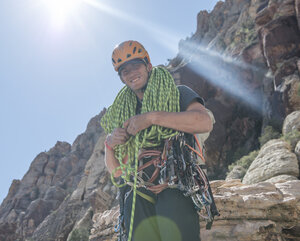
(131,70)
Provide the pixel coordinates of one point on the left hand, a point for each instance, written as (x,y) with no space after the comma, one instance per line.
(158,188)
(137,123)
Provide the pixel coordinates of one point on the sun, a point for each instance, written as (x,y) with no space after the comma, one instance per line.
(61,10)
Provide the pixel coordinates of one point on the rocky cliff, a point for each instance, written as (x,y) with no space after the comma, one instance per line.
(58,189)
(244,60)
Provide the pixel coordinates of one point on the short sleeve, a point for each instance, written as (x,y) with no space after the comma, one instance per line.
(187,96)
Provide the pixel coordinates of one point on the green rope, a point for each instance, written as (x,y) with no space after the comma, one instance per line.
(161,94)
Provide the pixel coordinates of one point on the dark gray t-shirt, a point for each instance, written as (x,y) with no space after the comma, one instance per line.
(187,96)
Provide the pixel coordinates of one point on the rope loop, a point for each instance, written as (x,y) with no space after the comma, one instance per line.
(161,94)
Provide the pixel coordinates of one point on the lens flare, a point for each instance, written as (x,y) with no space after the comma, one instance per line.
(219,69)
(60,10)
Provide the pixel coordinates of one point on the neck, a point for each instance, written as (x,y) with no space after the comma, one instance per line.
(139,94)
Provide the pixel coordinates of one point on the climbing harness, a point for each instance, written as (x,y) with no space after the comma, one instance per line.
(174,164)
(161,94)
(177,167)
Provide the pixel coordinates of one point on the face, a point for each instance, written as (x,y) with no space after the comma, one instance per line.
(135,76)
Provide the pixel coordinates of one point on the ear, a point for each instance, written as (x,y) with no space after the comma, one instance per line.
(149,67)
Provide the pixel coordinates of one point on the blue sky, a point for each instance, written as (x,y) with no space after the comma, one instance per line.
(56,71)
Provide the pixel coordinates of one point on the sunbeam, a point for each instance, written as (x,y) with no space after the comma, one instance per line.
(60,10)
(221,71)
(205,62)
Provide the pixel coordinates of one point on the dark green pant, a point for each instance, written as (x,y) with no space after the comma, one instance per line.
(172,217)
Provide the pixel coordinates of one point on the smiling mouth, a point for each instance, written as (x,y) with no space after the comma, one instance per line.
(134,80)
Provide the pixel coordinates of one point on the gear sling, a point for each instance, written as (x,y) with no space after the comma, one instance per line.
(177,166)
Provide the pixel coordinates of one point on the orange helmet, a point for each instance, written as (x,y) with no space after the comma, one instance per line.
(127,51)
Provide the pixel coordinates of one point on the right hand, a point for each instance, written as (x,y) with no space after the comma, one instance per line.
(117,137)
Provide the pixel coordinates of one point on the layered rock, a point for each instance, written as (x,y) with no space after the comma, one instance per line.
(263,211)
(274,159)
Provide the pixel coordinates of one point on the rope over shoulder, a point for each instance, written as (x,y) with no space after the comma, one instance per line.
(161,94)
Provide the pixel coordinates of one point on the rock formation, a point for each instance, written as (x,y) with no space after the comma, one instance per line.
(263,211)
(244,60)
(58,189)
(274,159)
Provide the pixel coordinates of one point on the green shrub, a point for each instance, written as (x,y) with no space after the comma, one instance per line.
(292,138)
(245,161)
(269,133)
(79,235)
(239,153)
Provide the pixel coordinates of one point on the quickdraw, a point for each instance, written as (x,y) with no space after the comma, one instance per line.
(191,179)
(177,167)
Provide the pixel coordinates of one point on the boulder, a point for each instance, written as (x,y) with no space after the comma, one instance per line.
(274,159)
(237,172)
(291,122)
(281,178)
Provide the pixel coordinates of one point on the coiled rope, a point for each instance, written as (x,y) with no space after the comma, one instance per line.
(161,94)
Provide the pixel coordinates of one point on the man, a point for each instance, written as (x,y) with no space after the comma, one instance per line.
(149,110)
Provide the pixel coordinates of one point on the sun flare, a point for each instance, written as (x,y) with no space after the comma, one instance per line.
(61,10)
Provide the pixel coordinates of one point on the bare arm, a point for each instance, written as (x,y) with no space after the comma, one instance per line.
(118,136)
(194,120)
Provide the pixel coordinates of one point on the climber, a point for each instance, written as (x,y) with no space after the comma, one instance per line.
(148,113)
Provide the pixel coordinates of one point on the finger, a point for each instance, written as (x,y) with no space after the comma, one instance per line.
(158,188)
(120,139)
(131,132)
(124,133)
(126,123)
(124,137)
(119,142)
(156,191)
(120,133)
